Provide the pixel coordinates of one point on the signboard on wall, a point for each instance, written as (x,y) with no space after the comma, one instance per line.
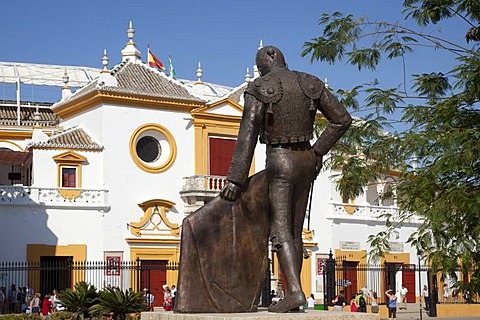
(320,259)
(112,265)
(113,271)
(350,245)
(396,246)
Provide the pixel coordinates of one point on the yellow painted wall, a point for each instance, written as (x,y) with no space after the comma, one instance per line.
(212,125)
(155,253)
(78,252)
(458,310)
(359,256)
(306,276)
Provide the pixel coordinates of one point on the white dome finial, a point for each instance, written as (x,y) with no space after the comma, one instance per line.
(260,46)
(105,61)
(130,32)
(199,72)
(248,77)
(130,51)
(66,91)
(65,79)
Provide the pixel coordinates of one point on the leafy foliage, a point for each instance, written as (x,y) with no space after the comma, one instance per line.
(79,300)
(118,303)
(437,156)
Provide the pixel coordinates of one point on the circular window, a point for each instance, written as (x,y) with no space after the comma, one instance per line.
(149,149)
(153,148)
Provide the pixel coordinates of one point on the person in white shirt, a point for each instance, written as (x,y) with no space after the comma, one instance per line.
(403,297)
(426,297)
(446,294)
(173,293)
(311,302)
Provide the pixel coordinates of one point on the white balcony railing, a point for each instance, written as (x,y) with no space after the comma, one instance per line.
(52,197)
(363,212)
(203,183)
(198,189)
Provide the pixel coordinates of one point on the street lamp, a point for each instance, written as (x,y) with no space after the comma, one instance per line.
(419,255)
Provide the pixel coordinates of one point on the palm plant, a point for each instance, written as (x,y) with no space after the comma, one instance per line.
(118,303)
(79,300)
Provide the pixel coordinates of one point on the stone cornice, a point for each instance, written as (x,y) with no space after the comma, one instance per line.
(152,241)
(91,100)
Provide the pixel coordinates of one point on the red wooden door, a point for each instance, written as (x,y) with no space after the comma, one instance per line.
(408,280)
(350,279)
(153,277)
(221,153)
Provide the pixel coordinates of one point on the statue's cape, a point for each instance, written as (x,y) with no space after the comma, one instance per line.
(223,253)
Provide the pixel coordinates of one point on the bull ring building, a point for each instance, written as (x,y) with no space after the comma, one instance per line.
(111,170)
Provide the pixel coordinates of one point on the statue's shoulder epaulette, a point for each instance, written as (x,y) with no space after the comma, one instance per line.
(267,89)
(311,86)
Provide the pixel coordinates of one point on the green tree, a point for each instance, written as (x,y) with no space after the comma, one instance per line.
(436,154)
(79,300)
(118,303)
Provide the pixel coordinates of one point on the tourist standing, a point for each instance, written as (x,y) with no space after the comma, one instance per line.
(167,298)
(35,304)
(149,299)
(12,298)
(174,294)
(426,297)
(47,307)
(403,297)
(446,293)
(392,305)
(361,302)
(374,302)
(353,304)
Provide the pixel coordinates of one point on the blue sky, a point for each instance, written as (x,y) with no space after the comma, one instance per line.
(222,35)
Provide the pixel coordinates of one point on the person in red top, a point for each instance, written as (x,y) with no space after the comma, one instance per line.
(47,307)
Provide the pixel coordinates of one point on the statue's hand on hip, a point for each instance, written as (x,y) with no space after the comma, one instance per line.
(230,191)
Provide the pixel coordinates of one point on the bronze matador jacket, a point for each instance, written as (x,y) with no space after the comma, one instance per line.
(280,108)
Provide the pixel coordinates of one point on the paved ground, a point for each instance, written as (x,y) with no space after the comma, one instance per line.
(413,313)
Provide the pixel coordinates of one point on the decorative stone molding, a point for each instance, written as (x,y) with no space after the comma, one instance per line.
(154,215)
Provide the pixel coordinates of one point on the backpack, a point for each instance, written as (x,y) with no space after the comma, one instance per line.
(362,302)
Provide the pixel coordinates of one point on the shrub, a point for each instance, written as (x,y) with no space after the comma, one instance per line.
(118,303)
(79,300)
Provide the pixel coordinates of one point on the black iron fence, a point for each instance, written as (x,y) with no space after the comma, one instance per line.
(351,277)
(45,276)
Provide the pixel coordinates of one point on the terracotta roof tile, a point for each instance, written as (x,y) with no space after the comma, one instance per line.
(237,93)
(138,78)
(9,157)
(73,138)
(8,115)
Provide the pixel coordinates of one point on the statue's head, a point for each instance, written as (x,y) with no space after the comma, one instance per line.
(269,58)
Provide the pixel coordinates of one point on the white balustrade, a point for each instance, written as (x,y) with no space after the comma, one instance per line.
(198,189)
(51,197)
(364,212)
(14,195)
(203,183)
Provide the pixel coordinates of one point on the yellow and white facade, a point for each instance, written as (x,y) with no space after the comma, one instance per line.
(119,163)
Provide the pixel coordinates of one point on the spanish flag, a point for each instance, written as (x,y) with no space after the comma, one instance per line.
(154,62)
